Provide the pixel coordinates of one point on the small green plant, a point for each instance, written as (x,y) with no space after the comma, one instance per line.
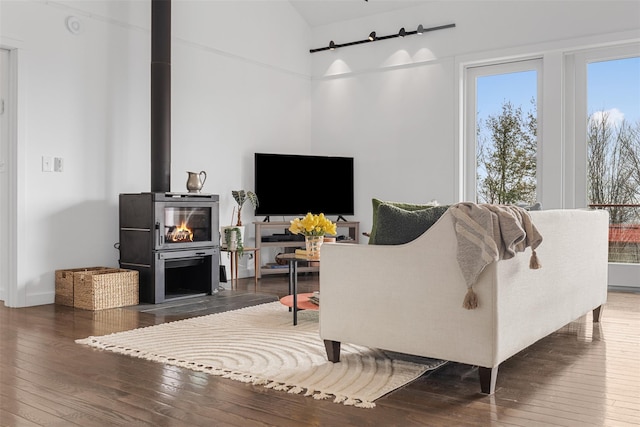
(229,234)
(242,196)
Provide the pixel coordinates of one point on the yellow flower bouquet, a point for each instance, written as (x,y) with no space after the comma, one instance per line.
(313,225)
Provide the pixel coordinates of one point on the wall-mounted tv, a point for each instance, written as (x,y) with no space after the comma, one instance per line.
(292,185)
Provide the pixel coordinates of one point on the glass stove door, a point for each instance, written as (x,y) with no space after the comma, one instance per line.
(187,224)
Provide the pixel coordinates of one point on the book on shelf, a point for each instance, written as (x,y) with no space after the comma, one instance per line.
(275,265)
(315,298)
(303,254)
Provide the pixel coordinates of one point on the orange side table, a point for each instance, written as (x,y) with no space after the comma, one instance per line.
(294,300)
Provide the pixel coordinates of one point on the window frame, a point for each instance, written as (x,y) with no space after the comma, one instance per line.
(471,74)
(578,106)
(621,275)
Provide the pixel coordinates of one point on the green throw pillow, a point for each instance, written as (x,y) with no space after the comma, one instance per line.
(397,226)
(406,206)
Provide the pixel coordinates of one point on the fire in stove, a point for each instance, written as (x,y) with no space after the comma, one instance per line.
(181,233)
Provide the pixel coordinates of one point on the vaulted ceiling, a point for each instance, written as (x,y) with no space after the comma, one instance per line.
(323,12)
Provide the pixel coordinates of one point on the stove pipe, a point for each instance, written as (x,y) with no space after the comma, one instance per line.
(161,96)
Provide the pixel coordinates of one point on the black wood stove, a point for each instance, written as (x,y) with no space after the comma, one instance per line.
(172,240)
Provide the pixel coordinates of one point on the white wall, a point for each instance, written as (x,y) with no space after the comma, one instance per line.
(243,81)
(86,99)
(394,103)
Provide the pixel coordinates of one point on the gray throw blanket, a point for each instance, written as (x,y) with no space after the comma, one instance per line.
(488,233)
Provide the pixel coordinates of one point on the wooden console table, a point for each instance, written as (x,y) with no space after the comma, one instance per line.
(352,235)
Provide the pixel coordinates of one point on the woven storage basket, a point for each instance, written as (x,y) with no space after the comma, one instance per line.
(97,290)
(64,283)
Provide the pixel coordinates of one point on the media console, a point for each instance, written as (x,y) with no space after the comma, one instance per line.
(274,234)
(283,238)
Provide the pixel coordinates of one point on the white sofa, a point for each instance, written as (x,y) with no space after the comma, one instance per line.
(408,298)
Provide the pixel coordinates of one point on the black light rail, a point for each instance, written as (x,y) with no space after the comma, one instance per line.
(373,37)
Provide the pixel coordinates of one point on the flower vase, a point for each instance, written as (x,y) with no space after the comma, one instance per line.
(313,244)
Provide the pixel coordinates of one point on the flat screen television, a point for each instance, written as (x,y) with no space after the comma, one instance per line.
(292,185)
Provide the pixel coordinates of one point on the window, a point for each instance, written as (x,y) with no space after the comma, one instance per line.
(613,151)
(606,107)
(501,148)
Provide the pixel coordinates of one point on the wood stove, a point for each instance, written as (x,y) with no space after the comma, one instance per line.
(172,240)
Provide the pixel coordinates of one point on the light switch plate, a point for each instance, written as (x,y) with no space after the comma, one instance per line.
(47,164)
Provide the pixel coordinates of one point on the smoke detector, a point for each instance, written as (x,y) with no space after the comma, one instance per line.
(74,25)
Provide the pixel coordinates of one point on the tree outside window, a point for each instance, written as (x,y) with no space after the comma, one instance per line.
(507,148)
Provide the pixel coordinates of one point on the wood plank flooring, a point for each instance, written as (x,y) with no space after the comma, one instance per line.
(581,375)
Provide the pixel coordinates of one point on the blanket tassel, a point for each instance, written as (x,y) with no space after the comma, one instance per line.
(534,262)
(470,300)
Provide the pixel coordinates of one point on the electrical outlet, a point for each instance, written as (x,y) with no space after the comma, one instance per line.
(58,164)
(47,164)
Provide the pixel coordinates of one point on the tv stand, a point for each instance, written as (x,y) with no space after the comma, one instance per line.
(341,218)
(267,228)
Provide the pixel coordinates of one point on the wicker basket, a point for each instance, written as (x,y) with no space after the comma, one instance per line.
(64,283)
(97,290)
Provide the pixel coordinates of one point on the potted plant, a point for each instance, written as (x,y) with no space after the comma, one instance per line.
(233,235)
(241,196)
(233,239)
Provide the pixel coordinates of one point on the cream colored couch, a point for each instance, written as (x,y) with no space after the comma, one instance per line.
(408,298)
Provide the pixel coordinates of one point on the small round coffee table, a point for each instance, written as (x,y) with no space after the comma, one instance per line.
(303,302)
(294,300)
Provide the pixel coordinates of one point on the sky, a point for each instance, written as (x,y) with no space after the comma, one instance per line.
(493,91)
(613,86)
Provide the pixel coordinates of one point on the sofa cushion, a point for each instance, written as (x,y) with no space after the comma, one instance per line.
(405,206)
(397,226)
(535,207)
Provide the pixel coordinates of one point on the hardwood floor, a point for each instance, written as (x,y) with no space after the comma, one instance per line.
(580,375)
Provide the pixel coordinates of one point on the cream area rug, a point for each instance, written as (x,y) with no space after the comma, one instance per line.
(260,345)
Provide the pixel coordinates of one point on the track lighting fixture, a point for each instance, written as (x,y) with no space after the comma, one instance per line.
(373,37)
